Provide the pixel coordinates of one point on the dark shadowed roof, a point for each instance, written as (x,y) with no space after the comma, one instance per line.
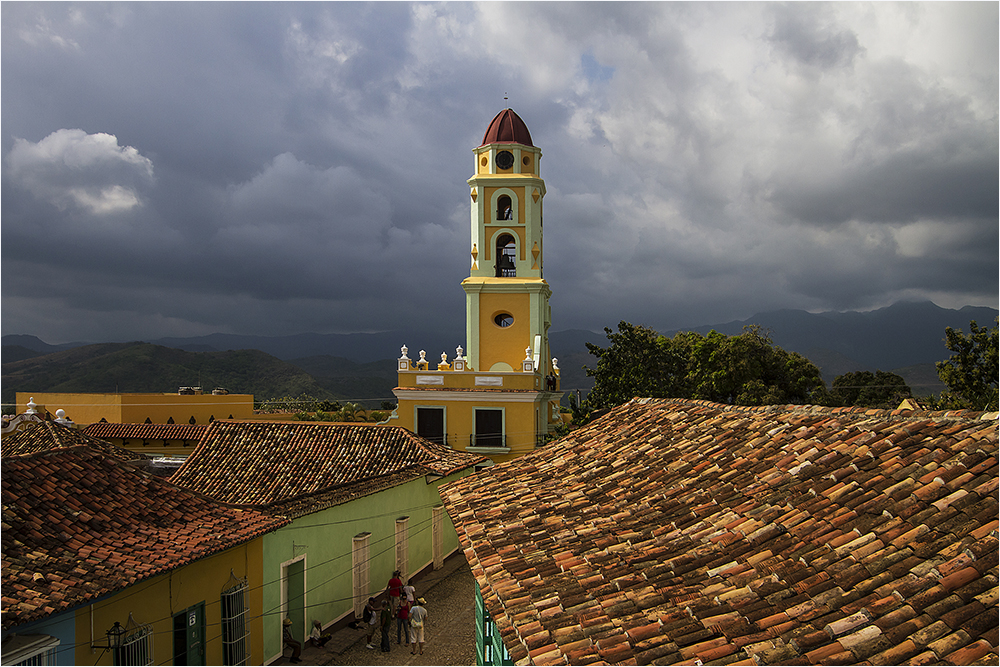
(507,127)
(297,467)
(146,431)
(675,531)
(78,525)
(46,435)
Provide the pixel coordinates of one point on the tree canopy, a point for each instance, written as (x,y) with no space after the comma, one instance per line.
(746,369)
(880,389)
(971,372)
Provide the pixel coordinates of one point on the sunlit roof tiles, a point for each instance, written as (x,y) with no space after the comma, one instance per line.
(675,531)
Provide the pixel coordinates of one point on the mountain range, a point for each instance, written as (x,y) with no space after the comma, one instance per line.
(906,338)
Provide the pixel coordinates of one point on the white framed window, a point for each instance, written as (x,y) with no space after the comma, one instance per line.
(403,545)
(235,629)
(359,571)
(437,536)
(30,650)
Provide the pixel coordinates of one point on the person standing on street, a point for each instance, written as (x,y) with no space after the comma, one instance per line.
(386,623)
(418,616)
(394,588)
(370,617)
(403,621)
(410,593)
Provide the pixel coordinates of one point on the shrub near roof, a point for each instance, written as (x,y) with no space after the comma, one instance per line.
(78,525)
(677,531)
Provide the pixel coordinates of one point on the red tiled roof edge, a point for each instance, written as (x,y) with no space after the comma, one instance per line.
(65,596)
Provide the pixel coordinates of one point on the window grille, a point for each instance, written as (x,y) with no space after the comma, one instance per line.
(235,630)
(30,650)
(137,646)
(359,569)
(437,536)
(403,545)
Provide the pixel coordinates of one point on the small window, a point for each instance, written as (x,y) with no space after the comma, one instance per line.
(504,210)
(360,546)
(503,320)
(235,631)
(489,428)
(403,545)
(30,650)
(137,647)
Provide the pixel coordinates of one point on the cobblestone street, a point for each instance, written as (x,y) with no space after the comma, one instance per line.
(450,628)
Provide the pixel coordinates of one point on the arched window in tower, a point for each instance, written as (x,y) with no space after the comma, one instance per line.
(506,257)
(504,210)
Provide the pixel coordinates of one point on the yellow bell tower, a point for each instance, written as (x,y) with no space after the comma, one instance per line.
(501,398)
(507,300)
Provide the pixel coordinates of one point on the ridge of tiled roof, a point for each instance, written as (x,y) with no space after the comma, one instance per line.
(45,435)
(147,431)
(675,531)
(299,467)
(78,525)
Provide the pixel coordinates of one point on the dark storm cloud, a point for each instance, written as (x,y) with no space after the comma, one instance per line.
(808,35)
(184,168)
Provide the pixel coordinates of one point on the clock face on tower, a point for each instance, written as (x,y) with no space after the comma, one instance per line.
(505,159)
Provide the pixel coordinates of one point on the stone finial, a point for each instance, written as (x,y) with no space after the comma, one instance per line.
(527,353)
(444,357)
(61,418)
(555,364)
(423,357)
(404,350)
(31,407)
(458,352)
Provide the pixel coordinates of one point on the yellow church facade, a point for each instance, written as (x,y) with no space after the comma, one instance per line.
(187,406)
(501,397)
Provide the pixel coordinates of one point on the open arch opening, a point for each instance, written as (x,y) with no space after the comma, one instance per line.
(504,210)
(506,255)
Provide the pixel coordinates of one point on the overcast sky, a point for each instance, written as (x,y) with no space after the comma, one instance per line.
(178,169)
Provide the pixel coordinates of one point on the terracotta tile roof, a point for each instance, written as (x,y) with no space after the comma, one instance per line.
(78,525)
(300,467)
(46,435)
(147,431)
(675,531)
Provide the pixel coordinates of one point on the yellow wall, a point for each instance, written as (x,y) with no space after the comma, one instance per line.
(156,600)
(136,408)
(519,418)
(503,344)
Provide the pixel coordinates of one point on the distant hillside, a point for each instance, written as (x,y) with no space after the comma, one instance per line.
(906,338)
(143,367)
(367,384)
(903,334)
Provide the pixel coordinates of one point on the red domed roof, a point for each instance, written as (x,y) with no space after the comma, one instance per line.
(507,127)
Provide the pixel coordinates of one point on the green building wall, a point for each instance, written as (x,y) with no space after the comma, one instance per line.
(489,646)
(320,547)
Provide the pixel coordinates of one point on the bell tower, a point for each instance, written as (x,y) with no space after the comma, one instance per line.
(507,298)
(500,398)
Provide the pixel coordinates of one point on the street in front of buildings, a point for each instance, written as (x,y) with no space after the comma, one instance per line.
(450,629)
